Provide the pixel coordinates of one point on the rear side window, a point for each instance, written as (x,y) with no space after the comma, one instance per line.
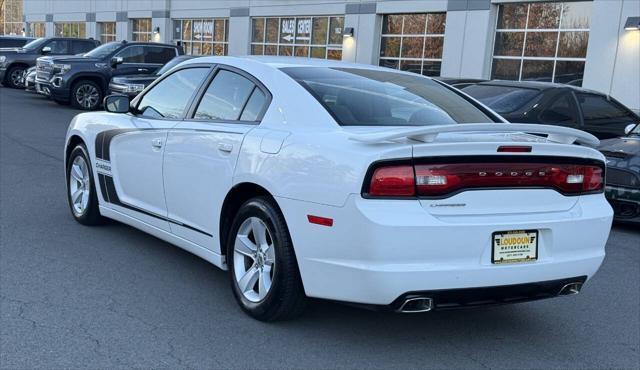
(597,109)
(367,97)
(562,110)
(158,55)
(225,97)
(132,54)
(254,106)
(169,98)
(502,99)
(81,47)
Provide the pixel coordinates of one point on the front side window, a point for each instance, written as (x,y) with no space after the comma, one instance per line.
(169,98)
(59,47)
(225,98)
(209,36)
(562,110)
(413,42)
(363,97)
(598,110)
(132,54)
(502,99)
(158,55)
(308,37)
(543,41)
(141,29)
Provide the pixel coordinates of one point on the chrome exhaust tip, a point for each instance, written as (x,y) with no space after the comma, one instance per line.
(570,289)
(416,305)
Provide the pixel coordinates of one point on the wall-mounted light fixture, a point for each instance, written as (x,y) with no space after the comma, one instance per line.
(633,24)
(347,32)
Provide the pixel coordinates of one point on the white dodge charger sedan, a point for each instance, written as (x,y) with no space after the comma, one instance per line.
(354,183)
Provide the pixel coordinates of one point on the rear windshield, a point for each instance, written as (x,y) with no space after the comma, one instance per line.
(364,97)
(502,99)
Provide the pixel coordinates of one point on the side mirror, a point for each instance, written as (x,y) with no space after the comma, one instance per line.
(115,61)
(629,128)
(116,103)
(46,50)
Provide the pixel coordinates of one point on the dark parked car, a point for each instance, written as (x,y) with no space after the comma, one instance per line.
(623,174)
(555,104)
(132,85)
(459,82)
(14,61)
(14,41)
(83,80)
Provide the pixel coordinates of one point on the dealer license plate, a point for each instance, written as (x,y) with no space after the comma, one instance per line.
(514,246)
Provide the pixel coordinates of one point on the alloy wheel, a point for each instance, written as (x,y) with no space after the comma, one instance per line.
(254,259)
(16,77)
(79,185)
(87,96)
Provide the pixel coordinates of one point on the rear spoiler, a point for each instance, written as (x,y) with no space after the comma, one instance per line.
(428,134)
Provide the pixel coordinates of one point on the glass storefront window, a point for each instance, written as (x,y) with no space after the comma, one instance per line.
(544,41)
(107,31)
(141,29)
(70,29)
(413,42)
(206,36)
(36,29)
(309,37)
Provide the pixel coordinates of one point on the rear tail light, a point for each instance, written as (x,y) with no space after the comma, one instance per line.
(438,180)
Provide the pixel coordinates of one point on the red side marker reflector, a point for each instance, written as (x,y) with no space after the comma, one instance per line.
(514,149)
(320,220)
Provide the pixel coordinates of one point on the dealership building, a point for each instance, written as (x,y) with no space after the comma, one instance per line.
(593,43)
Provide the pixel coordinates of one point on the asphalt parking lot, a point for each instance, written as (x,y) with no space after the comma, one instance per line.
(112,296)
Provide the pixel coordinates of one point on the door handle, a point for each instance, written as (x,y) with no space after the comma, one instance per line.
(143,70)
(225,147)
(156,143)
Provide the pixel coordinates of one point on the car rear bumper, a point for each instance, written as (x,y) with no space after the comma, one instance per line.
(625,203)
(378,251)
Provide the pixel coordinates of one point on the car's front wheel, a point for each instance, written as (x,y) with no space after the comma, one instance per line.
(81,190)
(14,77)
(264,272)
(86,95)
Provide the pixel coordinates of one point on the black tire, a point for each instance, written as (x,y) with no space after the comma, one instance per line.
(285,299)
(91,214)
(12,73)
(80,93)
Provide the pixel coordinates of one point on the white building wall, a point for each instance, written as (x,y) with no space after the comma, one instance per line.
(613,56)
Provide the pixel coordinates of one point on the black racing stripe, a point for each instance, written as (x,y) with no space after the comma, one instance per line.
(111,196)
(108,136)
(103,187)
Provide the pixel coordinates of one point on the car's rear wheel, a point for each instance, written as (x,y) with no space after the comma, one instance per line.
(14,77)
(86,95)
(264,272)
(81,190)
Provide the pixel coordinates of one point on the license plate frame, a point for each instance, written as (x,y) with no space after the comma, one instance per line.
(518,250)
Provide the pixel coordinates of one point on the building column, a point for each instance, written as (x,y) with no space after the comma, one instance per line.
(122,26)
(160,20)
(468,39)
(363,47)
(239,31)
(49,28)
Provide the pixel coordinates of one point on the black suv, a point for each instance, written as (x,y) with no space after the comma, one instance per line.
(14,61)
(83,80)
(14,41)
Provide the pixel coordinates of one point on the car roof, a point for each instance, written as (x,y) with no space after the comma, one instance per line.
(537,85)
(278,62)
(16,37)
